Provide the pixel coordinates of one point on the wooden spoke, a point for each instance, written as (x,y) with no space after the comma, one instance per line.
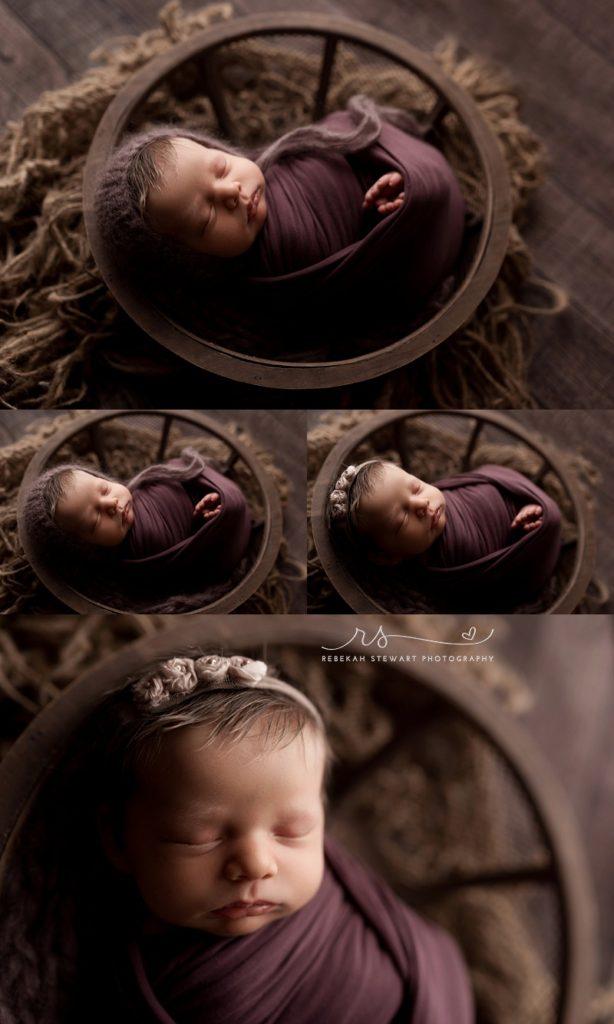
(326,68)
(543,469)
(401,443)
(435,117)
(471,444)
(231,461)
(212,82)
(98,446)
(168,420)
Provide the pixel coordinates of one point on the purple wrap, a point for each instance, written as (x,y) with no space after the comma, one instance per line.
(317,237)
(355,954)
(478,549)
(167,540)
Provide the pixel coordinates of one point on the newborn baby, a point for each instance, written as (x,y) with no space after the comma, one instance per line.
(181,518)
(246,913)
(353,198)
(215,202)
(491,526)
(101,511)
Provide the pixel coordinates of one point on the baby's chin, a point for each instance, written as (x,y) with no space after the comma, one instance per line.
(239,926)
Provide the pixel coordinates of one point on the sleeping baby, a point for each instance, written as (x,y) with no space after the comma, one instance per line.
(175,521)
(491,529)
(210,891)
(355,198)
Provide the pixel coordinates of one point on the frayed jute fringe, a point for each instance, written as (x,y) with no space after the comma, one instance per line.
(65,341)
(444,804)
(436,453)
(130,446)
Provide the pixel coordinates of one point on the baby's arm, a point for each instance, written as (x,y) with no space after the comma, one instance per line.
(529,518)
(386,195)
(208,506)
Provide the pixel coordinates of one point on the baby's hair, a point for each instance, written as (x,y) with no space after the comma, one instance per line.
(55,488)
(146,169)
(343,511)
(231,695)
(63,905)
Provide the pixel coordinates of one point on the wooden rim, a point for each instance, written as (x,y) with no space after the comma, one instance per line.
(270,373)
(272,529)
(40,748)
(338,572)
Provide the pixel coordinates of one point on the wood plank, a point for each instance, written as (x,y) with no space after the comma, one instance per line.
(72,29)
(27,66)
(572,365)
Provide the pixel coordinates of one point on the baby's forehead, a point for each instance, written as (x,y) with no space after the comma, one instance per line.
(201,745)
(77,484)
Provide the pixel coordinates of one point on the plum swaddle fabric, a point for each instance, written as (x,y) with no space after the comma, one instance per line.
(354,954)
(478,548)
(317,235)
(167,541)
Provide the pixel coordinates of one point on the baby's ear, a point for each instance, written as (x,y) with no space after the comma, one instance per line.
(110,838)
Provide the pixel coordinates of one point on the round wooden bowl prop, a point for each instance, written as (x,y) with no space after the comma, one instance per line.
(340,572)
(538,866)
(92,434)
(485,240)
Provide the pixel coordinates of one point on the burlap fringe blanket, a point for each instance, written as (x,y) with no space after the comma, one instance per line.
(65,341)
(443,803)
(437,453)
(130,449)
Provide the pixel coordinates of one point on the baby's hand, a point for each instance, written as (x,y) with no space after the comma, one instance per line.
(385,195)
(208,506)
(529,518)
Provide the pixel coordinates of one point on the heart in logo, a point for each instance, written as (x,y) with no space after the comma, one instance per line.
(470,634)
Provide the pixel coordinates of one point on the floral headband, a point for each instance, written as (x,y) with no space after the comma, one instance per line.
(339,499)
(178,677)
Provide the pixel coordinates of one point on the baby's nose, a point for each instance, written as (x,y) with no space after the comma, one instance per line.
(250,861)
(419,504)
(228,192)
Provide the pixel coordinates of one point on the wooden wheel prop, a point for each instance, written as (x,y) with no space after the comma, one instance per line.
(203,57)
(89,439)
(343,575)
(536,861)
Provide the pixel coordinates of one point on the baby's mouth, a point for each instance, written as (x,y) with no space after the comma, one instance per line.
(242,908)
(436,516)
(252,206)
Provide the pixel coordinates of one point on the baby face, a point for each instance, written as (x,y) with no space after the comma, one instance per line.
(227,837)
(210,201)
(402,515)
(94,510)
